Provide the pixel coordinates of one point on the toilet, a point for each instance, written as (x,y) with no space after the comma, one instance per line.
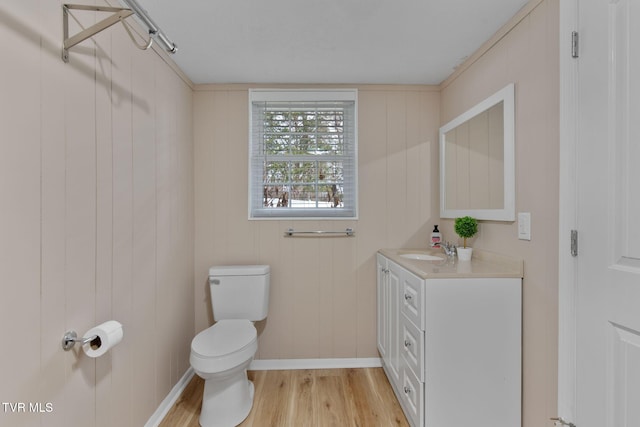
(222,353)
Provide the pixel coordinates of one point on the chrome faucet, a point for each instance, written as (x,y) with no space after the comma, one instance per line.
(449,248)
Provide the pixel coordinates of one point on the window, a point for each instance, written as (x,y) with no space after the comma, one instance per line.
(303,154)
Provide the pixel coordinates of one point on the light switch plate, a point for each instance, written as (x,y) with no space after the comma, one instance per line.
(524,225)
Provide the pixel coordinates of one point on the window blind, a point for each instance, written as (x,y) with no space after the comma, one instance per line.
(303,154)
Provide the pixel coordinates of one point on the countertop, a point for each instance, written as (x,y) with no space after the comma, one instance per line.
(482,264)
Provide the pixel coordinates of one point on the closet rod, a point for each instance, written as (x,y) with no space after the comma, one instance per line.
(154,31)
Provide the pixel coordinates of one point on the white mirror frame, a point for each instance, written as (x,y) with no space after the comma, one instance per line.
(506,95)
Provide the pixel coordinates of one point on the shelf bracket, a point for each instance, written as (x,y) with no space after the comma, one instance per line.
(118,14)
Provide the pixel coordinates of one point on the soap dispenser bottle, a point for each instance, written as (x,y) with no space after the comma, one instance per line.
(436,237)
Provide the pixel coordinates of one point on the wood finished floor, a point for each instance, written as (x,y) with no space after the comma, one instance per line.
(320,397)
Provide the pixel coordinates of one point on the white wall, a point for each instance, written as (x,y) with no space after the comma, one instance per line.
(96,220)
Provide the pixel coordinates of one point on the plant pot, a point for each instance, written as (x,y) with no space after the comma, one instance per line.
(464,254)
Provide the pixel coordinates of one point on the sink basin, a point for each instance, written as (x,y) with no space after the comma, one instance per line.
(422,257)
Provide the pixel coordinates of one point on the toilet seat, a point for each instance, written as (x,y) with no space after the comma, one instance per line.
(224,345)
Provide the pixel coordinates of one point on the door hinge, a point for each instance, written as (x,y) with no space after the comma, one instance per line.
(574,44)
(574,243)
(560,422)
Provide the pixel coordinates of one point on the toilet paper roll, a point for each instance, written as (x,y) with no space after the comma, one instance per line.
(107,335)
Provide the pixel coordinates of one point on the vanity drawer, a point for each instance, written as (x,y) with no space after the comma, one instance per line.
(413,299)
(412,395)
(412,343)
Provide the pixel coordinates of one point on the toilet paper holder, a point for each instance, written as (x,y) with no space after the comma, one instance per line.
(70,338)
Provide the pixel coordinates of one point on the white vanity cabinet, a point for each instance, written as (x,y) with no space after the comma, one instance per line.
(450,343)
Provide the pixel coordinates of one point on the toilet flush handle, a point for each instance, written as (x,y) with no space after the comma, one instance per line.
(213,281)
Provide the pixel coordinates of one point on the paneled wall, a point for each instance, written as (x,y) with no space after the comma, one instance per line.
(322,289)
(527,55)
(96,221)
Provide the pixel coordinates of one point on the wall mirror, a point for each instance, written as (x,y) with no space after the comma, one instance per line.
(477,157)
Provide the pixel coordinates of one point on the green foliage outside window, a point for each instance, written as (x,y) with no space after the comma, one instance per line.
(302,165)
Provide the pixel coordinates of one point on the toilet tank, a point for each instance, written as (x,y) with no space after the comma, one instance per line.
(239,291)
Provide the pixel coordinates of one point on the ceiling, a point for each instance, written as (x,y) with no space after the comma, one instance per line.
(326,41)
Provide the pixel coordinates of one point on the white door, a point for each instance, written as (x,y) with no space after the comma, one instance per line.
(607,335)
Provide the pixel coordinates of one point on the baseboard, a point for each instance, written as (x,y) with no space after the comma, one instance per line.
(334,363)
(162,410)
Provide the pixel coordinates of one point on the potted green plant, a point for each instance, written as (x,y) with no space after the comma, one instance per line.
(465,227)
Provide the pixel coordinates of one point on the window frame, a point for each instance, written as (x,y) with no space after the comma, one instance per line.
(313,213)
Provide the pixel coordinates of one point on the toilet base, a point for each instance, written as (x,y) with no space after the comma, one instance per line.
(226,402)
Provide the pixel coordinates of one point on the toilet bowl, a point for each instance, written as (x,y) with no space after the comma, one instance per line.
(222,353)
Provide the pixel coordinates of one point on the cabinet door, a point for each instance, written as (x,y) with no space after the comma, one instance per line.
(382,306)
(388,324)
(393,349)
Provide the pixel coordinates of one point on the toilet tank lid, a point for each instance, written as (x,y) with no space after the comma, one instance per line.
(239,270)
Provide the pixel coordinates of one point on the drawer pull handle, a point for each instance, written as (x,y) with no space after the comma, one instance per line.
(407,343)
(407,390)
(408,297)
